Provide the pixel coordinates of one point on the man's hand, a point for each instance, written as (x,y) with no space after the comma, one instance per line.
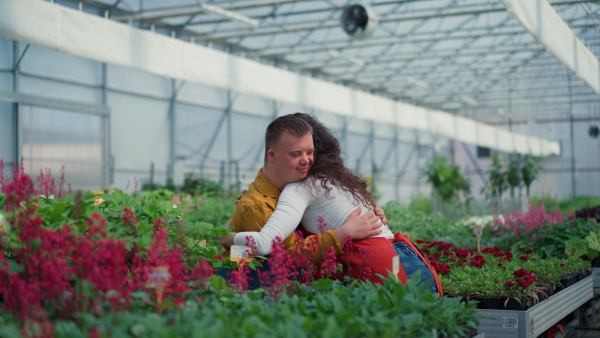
(379,213)
(227,241)
(358,227)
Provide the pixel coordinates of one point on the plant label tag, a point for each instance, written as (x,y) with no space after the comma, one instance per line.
(477,230)
(510,322)
(158,276)
(201,242)
(396,266)
(593,219)
(240,253)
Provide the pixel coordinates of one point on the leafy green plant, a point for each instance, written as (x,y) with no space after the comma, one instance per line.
(448,180)
(497,182)
(530,169)
(422,204)
(513,174)
(325,309)
(550,240)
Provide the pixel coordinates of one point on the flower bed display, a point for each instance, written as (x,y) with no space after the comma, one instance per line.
(129,265)
(498,279)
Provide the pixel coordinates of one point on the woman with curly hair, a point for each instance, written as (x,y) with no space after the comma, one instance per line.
(323,201)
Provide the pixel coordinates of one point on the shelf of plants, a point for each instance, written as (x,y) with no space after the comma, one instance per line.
(538,318)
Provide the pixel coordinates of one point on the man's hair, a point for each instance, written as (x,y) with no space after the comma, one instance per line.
(291,123)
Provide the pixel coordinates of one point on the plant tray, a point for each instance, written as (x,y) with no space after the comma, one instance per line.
(539,318)
(596,275)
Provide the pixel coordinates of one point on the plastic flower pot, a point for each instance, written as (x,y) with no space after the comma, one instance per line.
(491,303)
(510,303)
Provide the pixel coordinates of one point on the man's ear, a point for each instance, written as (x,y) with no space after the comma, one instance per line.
(271,154)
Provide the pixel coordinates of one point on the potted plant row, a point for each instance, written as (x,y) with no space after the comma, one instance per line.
(500,280)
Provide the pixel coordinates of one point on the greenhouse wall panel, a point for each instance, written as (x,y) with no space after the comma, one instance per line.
(59,90)
(137,144)
(6,132)
(202,95)
(53,64)
(132,80)
(252,105)
(6,57)
(6,81)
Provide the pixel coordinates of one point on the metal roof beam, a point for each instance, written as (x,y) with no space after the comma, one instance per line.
(456,53)
(170,12)
(393,17)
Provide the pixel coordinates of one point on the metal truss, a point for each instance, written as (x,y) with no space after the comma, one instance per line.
(470,58)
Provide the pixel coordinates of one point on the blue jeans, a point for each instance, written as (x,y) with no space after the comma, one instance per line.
(411,262)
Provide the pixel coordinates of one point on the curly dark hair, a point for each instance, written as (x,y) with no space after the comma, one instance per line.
(329,165)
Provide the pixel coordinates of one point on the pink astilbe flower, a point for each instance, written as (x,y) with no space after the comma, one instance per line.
(328,267)
(129,216)
(282,270)
(21,189)
(240,278)
(303,256)
(200,274)
(3,177)
(321,223)
(522,223)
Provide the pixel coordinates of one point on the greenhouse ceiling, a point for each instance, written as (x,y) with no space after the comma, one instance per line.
(470,58)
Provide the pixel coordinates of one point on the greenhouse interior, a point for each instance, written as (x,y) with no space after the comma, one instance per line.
(137,170)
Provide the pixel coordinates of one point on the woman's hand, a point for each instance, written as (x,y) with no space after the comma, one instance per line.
(359,227)
(240,196)
(380,213)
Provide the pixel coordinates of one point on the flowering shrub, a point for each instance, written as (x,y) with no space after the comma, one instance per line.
(522,223)
(495,272)
(48,274)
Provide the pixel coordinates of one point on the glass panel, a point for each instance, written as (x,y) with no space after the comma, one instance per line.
(7,136)
(53,139)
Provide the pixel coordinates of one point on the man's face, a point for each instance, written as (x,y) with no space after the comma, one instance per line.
(292,157)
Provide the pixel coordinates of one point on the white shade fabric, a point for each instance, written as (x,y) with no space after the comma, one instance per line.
(95,38)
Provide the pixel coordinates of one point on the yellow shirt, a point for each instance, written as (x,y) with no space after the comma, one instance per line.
(256,206)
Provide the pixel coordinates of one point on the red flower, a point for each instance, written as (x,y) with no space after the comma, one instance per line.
(528,251)
(509,283)
(524,258)
(562,264)
(218,257)
(521,272)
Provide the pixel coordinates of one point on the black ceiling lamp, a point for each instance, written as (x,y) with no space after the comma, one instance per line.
(594,131)
(359,21)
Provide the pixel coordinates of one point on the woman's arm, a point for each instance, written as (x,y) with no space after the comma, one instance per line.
(292,203)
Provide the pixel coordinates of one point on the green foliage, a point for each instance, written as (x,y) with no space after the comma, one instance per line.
(530,169)
(566,206)
(448,180)
(359,310)
(497,182)
(550,240)
(422,204)
(200,186)
(430,227)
